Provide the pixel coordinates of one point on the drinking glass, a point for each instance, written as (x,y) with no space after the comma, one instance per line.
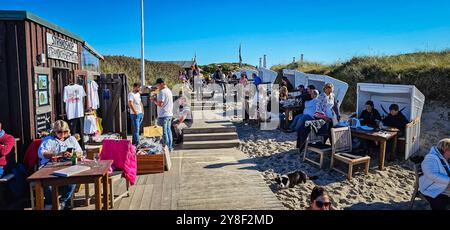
(96,159)
(83,157)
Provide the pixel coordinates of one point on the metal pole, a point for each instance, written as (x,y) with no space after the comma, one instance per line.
(142,47)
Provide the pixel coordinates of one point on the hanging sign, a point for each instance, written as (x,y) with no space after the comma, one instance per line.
(61,49)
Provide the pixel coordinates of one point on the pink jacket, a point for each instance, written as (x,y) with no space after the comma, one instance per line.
(123,153)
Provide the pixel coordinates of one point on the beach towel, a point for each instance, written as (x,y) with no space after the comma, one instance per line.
(123,153)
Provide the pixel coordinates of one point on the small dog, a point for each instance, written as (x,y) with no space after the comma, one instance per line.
(291,179)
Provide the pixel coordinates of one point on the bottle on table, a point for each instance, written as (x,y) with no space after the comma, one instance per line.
(74,157)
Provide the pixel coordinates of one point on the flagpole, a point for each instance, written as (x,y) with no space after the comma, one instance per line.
(240,56)
(142,47)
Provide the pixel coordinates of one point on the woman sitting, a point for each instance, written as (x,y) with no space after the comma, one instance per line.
(283,93)
(59,145)
(370,115)
(320,200)
(308,112)
(327,105)
(434,183)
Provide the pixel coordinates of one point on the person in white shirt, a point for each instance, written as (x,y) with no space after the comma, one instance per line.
(308,112)
(435,181)
(328,104)
(59,145)
(136,111)
(164,103)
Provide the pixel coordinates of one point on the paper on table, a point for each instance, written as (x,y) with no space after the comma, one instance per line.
(72,170)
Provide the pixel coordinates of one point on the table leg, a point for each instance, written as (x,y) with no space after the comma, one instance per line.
(106,192)
(394,149)
(382,154)
(98,195)
(86,194)
(55,197)
(39,196)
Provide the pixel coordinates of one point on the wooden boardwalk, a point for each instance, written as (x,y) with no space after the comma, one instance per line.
(223,179)
(200,179)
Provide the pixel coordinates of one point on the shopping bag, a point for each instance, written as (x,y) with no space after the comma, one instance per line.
(99,123)
(153,131)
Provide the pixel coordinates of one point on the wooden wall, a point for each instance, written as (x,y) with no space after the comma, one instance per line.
(20,44)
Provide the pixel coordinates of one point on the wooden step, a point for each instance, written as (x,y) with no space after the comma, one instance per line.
(223,129)
(210,144)
(210,136)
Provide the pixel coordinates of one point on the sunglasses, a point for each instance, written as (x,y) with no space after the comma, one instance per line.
(61,132)
(321,204)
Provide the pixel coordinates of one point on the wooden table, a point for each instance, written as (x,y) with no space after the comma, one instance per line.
(371,135)
(96,175)
(288,111)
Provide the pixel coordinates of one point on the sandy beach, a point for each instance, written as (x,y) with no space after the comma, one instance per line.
(274,152)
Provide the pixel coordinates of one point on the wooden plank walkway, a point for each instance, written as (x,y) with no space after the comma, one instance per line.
(221,179)
(206,179)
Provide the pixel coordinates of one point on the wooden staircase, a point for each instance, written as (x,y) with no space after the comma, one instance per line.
(213,135)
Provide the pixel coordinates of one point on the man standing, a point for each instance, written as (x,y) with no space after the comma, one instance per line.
(6,145)
(164,103)
(136,111)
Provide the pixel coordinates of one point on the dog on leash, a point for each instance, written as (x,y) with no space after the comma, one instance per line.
(291,179)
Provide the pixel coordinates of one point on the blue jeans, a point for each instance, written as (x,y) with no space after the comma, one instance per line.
(299,120)
(166,123)
(65,191)
(1,171)
(136,121)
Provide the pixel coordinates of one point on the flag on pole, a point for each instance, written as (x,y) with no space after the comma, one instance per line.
(240,55)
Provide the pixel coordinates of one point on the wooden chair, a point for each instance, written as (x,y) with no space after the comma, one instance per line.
(417,172)
(341,143)
(114,177)
(311,146)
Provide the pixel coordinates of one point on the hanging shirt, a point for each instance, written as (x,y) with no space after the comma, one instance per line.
(135,99)
(90,125)
(94,101)
(166,109)
(73,97)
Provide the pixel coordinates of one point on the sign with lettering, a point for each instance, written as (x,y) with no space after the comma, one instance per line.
(43,122)
(61,49)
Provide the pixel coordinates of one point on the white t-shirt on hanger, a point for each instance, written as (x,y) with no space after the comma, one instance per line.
(73,97)
(93,95)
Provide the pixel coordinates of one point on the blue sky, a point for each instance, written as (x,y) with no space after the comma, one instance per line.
(325,31)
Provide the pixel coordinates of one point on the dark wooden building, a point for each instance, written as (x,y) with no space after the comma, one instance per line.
(37,60)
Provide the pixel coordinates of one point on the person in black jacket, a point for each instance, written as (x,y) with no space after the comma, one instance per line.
(396,119)
(370,115)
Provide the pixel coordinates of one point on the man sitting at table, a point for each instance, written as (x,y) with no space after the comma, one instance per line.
(396,119)
(6,144)
(59,145)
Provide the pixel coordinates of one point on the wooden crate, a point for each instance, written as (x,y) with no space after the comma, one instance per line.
(147,164)
(158,163)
